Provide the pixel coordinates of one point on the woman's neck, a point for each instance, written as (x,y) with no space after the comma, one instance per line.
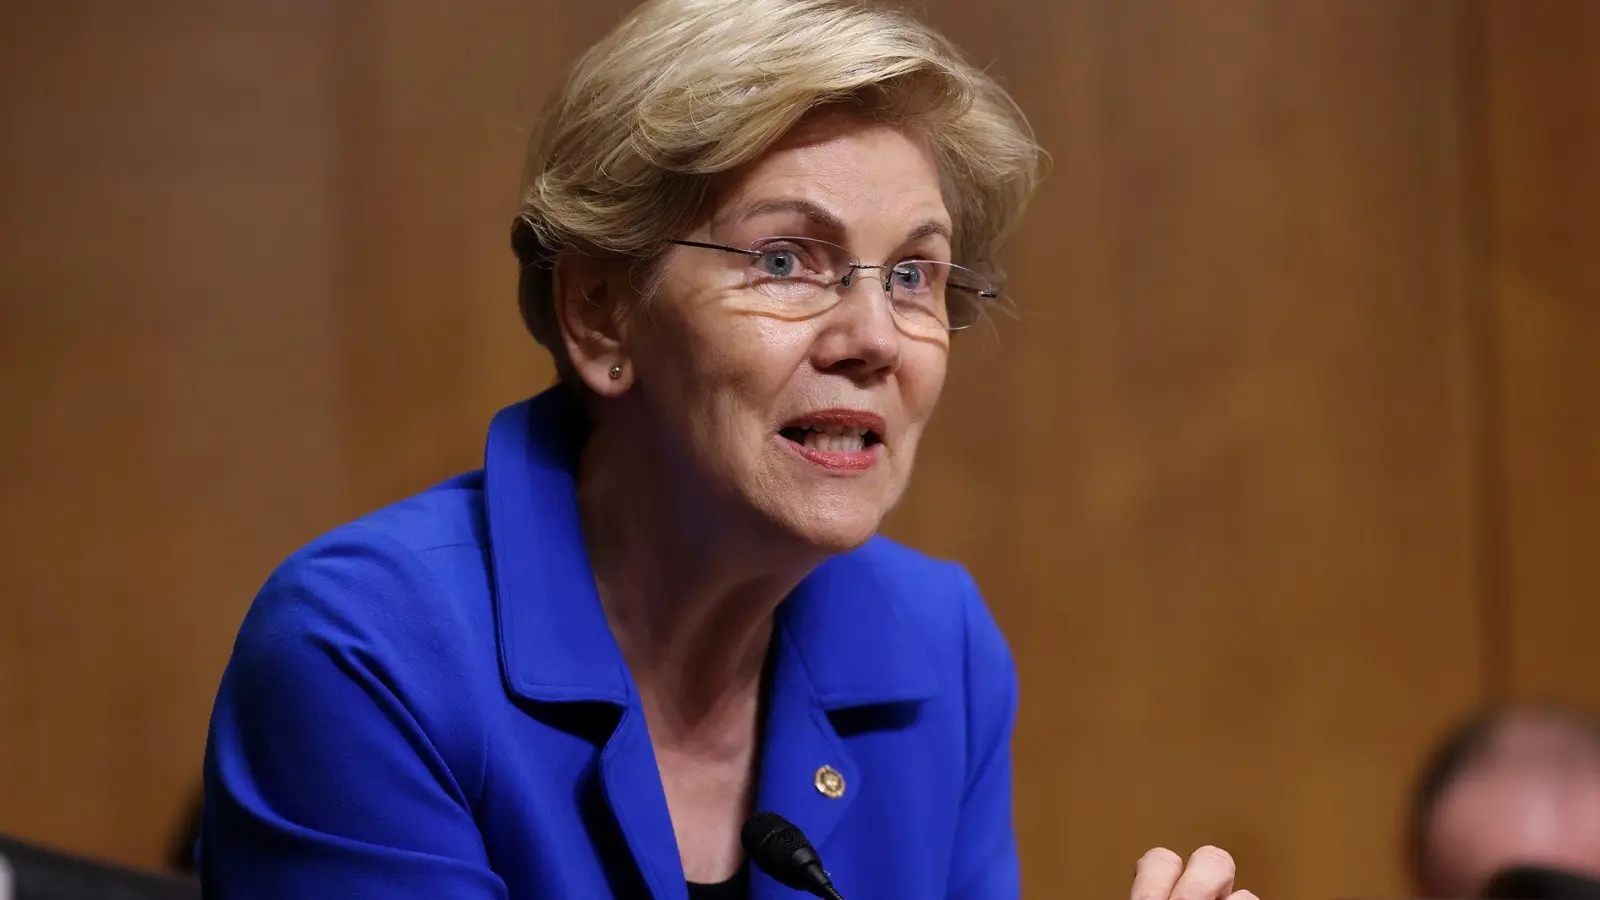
(690,600)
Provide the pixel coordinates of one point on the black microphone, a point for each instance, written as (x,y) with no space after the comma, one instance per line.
(781,850)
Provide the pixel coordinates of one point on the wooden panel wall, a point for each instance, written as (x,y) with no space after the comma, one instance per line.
(436,107)
(1542,127)
(169,347)
(1234,485)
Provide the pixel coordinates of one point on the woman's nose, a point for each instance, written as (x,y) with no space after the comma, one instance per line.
(860,333)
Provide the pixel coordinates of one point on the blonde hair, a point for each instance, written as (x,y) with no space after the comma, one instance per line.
(682,90)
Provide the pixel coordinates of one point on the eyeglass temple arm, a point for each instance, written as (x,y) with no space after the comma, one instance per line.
(722,247)
(987,295)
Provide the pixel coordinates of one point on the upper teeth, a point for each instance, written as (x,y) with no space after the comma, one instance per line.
(837,430)
(835,438)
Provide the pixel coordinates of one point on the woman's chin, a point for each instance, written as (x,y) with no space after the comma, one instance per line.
(837,539)
(837,527)
(829,515)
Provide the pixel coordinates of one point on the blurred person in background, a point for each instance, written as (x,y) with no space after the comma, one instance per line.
(749,230)
(1508,805)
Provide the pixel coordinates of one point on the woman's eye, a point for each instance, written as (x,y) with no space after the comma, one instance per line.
(910,277)
(779,263)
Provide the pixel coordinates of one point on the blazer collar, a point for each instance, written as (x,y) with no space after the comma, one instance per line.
(555,643)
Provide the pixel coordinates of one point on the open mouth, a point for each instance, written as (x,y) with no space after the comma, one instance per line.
(836,431)
(832,438)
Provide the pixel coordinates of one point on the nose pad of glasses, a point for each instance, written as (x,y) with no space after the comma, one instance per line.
(849,278)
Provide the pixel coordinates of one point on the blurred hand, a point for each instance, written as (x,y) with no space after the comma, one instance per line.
(1162,875)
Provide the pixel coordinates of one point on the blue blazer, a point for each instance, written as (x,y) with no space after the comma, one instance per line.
(428,703)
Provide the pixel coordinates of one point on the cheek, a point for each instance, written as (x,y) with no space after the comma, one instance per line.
(749,359)
(695,341)
(921,378)
(735,370)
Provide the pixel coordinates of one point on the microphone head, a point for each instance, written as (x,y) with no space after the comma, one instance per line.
(782,851)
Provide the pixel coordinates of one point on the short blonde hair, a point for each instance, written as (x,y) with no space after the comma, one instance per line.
(682,90)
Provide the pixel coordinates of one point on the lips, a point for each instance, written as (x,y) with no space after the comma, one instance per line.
(836,431)
(841,440)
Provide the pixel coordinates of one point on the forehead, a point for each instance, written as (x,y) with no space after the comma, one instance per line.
(864,173)
(1537,736)
(1524,756)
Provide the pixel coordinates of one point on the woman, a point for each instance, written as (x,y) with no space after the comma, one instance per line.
(749,229)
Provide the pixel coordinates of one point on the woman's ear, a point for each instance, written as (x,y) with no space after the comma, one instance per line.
(591,297)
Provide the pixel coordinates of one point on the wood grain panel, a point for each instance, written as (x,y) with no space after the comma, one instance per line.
(1218,481)
(167,347)
(438,107)
(1543,132)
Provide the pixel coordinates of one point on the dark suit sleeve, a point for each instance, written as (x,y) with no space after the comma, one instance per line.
(340,759)
(985,864)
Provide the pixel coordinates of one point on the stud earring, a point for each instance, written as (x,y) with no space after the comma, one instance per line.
(616,372)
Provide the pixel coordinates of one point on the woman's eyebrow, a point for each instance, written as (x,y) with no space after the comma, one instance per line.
(930,228)
(826,219)
(807,208)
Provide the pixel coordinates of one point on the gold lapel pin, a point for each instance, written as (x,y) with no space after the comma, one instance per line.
(829,782)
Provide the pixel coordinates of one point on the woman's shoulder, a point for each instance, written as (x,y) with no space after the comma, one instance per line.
(938,588)
(936,604)
(377,634)
(412,573)
(937,599)
(449,514)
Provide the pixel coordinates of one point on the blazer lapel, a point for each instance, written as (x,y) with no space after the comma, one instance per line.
(632,782)
(555,645)
(838,645)
(801,747)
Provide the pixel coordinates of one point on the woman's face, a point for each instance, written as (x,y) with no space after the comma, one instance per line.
(766,408)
